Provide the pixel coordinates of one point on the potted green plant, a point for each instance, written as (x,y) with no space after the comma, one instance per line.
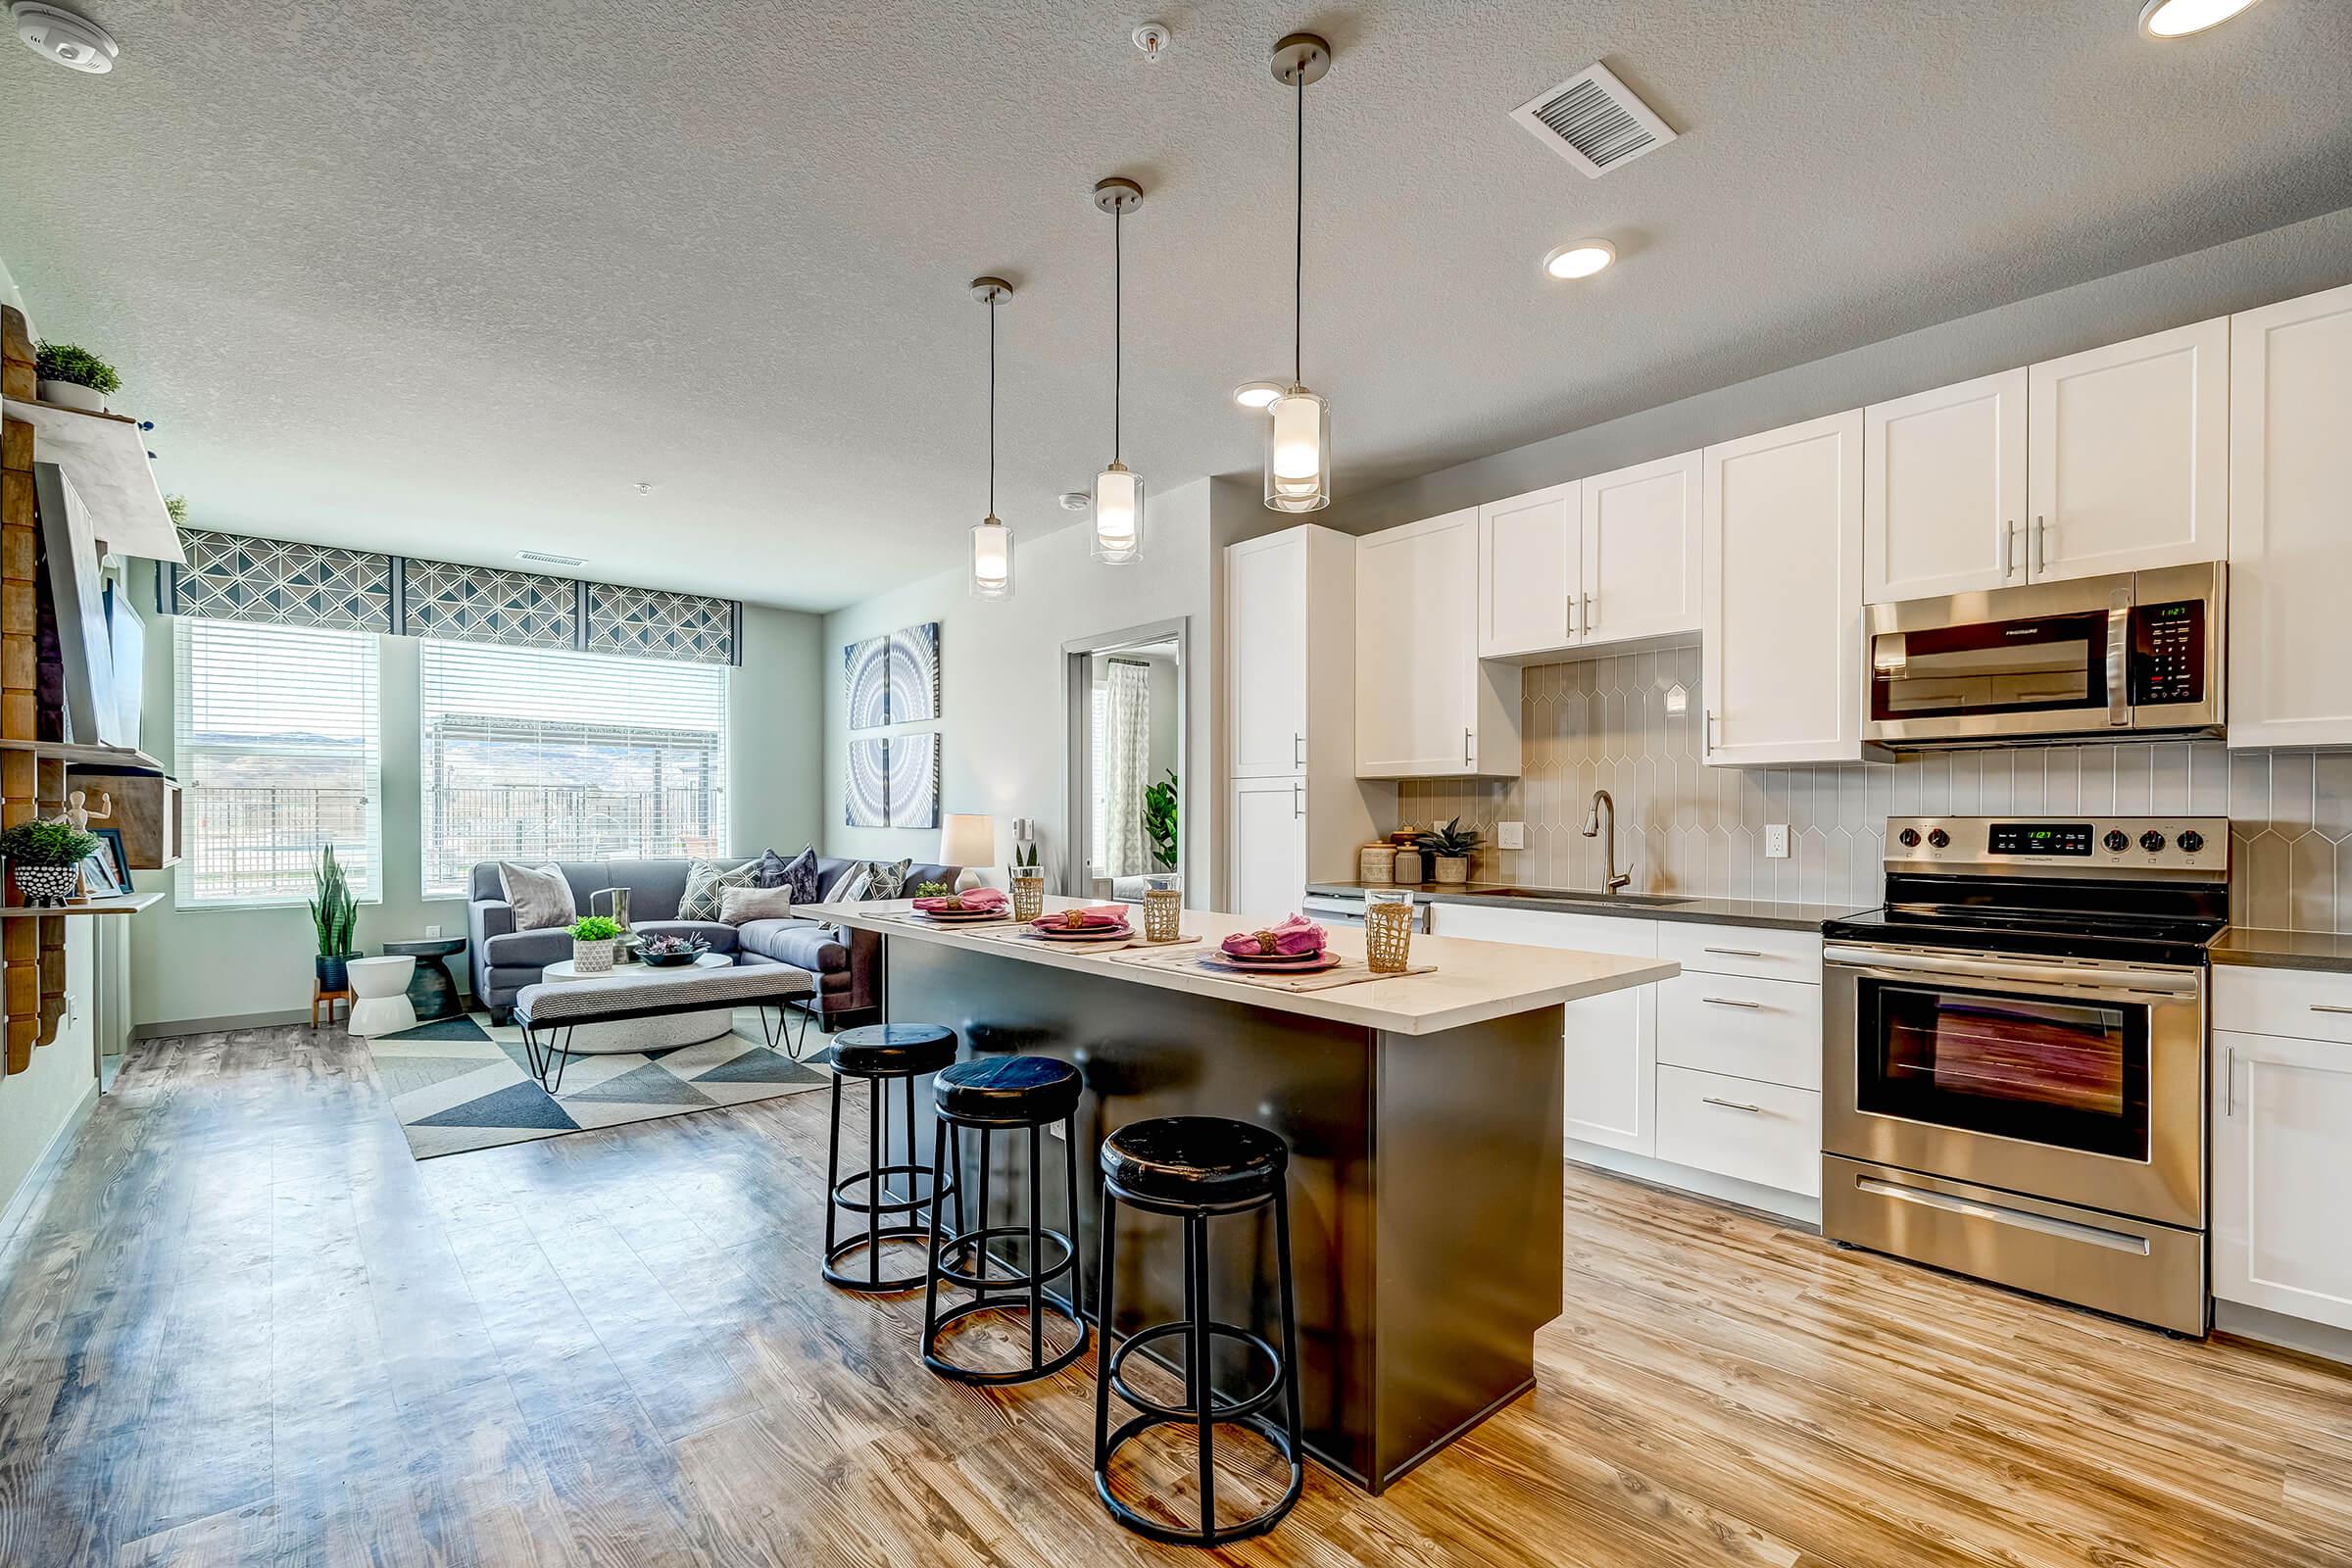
(1159,821)
(72,378)
(335,916)
(592,939)
(45,858)
(1449,850)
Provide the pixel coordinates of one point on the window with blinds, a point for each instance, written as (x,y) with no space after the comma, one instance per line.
(278,732)
(536,754)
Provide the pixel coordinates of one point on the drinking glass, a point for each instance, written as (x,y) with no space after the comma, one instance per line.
(1164,906)
(1387,929)
(1028,892)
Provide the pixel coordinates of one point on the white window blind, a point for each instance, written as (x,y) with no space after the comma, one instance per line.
(279,756)
(534,753)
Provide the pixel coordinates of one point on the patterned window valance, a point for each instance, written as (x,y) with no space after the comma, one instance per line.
(230,577)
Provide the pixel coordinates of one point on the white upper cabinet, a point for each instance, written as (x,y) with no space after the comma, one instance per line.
(1265,620)
(1527,574)
(1781,587)
(2290,522)
(1944,490)
(1639,529)
(1426,706)
(2127,455)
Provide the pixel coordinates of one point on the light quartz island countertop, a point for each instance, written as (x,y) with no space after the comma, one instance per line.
(1471,982)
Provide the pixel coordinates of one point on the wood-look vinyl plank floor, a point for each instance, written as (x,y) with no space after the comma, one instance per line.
(243,1326)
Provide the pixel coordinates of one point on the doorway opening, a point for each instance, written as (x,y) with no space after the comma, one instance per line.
(1126,693)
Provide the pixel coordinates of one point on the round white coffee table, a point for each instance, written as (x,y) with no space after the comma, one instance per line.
(664,1033)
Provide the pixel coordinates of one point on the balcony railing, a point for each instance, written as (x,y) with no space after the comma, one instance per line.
(474,823)
(249,843)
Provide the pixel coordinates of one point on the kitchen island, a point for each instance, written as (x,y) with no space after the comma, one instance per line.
(1423,1114)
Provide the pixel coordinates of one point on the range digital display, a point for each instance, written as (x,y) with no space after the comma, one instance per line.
(2040,837)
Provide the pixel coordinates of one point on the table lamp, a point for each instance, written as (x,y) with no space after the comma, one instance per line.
(968,840)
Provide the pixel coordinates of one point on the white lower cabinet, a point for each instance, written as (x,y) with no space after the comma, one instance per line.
(2281,1108)
(1768,1133)
(1267,875)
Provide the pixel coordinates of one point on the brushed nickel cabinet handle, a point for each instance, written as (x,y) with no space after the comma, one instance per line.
(1731,1104)
(1588,614)
(1572,615)
(2328,1006)
(1298,799)
(1734,952)
(1728,1002)
(2230,1083)
(2042,545)
(2008,543)
(1298,750)
(1466,763)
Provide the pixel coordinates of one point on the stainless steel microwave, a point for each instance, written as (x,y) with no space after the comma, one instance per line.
(2119,658)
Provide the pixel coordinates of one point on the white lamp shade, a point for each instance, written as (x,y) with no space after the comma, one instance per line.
(1118,514)
(1297,452)
(967,839)
(992,560)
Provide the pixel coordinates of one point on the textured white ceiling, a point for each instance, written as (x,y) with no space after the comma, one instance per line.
(450,278)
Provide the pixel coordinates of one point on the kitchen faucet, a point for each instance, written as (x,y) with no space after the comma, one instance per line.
(1612,878)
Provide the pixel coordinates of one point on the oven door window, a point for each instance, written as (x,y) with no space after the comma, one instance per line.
(2070,1074)
(2003,666)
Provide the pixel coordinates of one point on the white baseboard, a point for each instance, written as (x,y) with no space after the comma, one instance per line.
(1699,1183)
(44,1169)
(206,1026)
(2323,1339)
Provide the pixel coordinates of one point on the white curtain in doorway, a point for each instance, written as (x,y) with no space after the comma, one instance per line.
(1126,763)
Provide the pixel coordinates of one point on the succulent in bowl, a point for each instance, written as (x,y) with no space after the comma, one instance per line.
(662,949)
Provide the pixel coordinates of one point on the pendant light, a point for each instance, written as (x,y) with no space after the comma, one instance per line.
(1119,492)
(1299,421)
(992,541)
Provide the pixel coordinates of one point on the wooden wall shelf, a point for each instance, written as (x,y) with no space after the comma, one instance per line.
(105,455)
(86,755)
(127,903)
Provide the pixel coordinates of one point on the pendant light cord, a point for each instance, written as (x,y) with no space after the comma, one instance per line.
(1118,217)
(992,404)
(1298,248)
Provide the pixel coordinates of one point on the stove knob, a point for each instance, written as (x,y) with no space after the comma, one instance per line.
(1909,838)
(1938,838)
(2151,841)
(2191,842)
(2116,840)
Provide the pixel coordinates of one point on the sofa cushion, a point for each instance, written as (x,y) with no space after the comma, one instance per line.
(803,944)
(741,905)
(529,947)
(654,886)
(799,873)
(718,938)
(706,880)
(540,895)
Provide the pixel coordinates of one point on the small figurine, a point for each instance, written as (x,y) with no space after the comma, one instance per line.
(78,812)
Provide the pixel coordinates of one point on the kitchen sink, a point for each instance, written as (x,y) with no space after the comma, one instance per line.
(1583,896)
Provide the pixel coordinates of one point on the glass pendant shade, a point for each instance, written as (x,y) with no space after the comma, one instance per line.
(1297,452)
(992,559)
(1118,514)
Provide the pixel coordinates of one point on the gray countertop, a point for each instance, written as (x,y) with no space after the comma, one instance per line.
(1710,911)
(2285,950)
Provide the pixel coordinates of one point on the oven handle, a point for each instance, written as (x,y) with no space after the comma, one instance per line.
(1910,964)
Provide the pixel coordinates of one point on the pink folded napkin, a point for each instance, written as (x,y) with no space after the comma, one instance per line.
(978,899)
(1108,917)
(1294,936)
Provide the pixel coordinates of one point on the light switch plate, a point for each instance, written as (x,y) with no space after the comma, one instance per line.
(432,931)
(1510,835)
(1776,841)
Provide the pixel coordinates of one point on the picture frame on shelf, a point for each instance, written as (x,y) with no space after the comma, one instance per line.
(106,870)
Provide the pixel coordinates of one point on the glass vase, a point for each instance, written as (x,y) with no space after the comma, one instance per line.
(1028,892)
(1387,929)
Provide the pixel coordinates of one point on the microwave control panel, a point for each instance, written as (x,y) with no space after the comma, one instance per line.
(2167,653)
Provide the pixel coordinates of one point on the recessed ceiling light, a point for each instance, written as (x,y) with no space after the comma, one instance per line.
(1579,259)
(2178,19)
(1256,395)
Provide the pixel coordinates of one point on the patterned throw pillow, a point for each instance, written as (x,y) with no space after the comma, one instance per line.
(887,879)
(541,897)
(797,873)
(706,880)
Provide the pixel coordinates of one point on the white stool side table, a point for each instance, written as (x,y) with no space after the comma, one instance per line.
(380,991)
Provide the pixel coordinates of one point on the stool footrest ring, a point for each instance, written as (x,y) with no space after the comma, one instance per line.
(1054,1304)
(834,1275)
(912,1173)
(1219,1408)
(1222,1535)
(963,1240)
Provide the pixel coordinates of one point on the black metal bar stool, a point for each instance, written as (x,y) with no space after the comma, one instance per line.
(1197,1168)
(883,1053)
(988,1094)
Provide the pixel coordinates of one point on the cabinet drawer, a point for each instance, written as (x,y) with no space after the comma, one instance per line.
(1761,1133)
(1763,953)
(1764,1029)
(2304,1004)
(1546,928)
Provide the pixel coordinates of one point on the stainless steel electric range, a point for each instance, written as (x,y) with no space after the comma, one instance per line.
(2013,1079)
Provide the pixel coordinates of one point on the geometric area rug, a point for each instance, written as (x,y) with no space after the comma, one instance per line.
(457,1086)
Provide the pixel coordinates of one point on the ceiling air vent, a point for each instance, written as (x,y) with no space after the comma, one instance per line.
(541,557)
(1593,120)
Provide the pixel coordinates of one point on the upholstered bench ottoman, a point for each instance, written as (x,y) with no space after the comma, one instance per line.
(550,1012)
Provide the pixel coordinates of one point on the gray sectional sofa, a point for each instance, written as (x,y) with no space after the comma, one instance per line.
(847,967)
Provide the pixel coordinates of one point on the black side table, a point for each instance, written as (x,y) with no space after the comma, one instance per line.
(432,990)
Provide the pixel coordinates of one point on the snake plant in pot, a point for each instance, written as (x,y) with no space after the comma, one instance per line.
(334,915)
(45,858)
(1449,849)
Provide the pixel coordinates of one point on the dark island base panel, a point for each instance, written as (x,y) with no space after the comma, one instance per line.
(1425,1184)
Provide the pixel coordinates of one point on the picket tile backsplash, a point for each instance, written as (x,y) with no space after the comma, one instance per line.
(1683,827)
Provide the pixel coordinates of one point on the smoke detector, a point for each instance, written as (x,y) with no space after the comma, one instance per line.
(73,41)
(1076,501)
(1593,120)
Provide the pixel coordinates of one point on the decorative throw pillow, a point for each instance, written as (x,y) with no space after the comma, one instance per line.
(706,880)
(797,873)
(738,904)
(541,897)
(887,879)
(850,888)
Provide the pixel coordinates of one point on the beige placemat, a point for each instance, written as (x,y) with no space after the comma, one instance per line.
(1351,971)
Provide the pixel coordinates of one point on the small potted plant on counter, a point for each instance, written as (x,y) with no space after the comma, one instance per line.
(1028,879)
(592,939)
(72,378)
(334,915)
(1449,850)
(45,857)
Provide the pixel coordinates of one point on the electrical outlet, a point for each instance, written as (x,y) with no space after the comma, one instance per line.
(1510,835)
(1776,841)
(432,931)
